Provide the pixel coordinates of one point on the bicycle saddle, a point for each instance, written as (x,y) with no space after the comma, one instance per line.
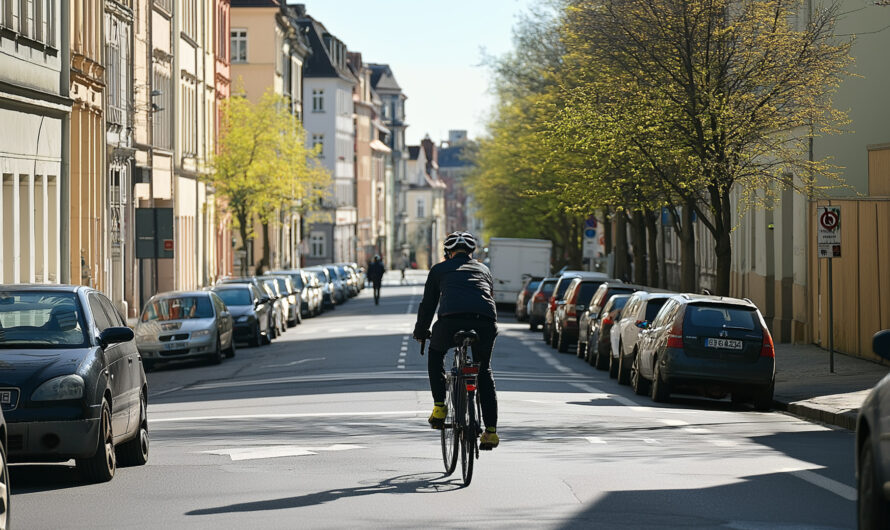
(461,335)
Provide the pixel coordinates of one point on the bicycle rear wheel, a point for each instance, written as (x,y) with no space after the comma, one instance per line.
(468,438)
(450,432)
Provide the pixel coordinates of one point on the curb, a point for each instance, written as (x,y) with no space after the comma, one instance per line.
(845,419)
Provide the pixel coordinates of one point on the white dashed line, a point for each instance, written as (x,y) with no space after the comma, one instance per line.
(673,423)
(838,488)
(594,439)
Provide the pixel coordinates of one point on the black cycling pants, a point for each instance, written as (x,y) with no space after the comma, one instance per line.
(376,292)
(443,339)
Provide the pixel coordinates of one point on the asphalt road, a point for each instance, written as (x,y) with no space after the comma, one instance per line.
(326,428)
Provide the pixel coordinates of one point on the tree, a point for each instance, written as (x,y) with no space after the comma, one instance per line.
(263,164)
(741,87)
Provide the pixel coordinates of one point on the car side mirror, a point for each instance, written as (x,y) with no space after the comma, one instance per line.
(643,325)
(115,335)
(880,343)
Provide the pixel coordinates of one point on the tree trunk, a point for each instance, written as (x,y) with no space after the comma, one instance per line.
(265,261)
(607,232)
(242,229)
(638,240)
(622,266)
(687,251)
(654,258)
(575,252)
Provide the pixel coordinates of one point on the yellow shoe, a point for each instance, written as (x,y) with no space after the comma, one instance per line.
(489,440)
(437,418)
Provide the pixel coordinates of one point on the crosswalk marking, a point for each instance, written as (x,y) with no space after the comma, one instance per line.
(277,451)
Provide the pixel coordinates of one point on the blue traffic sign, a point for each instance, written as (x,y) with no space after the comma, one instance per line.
(590,233)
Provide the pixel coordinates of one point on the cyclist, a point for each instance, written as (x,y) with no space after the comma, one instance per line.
(375,274)
(461,287)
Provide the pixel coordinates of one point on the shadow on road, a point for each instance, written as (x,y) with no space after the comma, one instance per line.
(30,478)
(416,483)
(724,506)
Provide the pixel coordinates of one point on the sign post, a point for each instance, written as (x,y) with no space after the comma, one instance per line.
(588,247)
(828,243)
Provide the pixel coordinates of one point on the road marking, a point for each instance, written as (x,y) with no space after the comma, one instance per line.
(838,488)
(161,393)
(287,416)
(722,442)
(673,423)
(697,430)
(614,397)
(594,439)
(277,451)
(293,363)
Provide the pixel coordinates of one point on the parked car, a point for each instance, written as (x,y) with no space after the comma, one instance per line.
(529,285)
(328,291)
(292,295)
(276,315)
(573,305)
(558,295)
(4,475)
(538,302)
(594,311)
(872,451)
(639,312)
(185,325)
(352,281)
(708,345)
(595,328)
(250,308)
(308,290)
(360,272)
(281,304)
(339,282)
(73,385)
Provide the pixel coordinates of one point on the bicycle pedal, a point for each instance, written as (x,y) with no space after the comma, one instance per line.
(437,424)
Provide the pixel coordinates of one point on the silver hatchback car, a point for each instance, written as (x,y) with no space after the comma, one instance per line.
(185,325)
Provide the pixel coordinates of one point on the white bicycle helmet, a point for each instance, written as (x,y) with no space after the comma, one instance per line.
(460,240)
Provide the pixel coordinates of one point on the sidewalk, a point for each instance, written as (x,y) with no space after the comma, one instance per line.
(805,388)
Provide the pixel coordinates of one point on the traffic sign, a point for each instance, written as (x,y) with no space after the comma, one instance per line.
(590,222)
(590,233)
(828,231)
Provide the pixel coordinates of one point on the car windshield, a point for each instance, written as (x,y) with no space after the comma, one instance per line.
(298,281)
(235,296)
(273,285)
(533,285)
(41,319)
(548,286)
(333,271)
(179,308)
(562,287)
(586,291)
(709,316)
(282,285)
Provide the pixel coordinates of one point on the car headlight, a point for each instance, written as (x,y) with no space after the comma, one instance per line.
(200,333)
(63,387)
(242,318)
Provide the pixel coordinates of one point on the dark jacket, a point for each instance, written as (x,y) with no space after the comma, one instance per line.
(375,272)
(458,286)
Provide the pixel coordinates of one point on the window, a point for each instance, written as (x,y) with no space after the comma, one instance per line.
(318,142)
(317,245)
(420,208)
(239,45)
(317,100)
(34,19)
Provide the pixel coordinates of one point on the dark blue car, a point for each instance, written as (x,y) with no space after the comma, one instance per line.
(71,380)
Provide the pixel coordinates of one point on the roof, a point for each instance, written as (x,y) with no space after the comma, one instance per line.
(178,294)
(382,78)
(255,3)
(320,62)
(692,298)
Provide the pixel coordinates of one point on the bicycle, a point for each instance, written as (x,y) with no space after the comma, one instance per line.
(461,429)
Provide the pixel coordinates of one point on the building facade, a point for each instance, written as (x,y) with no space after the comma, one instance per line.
(34,178)
(393,116)
(328,86)
(425,198)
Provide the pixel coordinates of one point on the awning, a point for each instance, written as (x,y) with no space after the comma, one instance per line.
(377,145)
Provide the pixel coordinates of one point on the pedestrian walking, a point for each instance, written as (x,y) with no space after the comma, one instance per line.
(403,264)
(375,274)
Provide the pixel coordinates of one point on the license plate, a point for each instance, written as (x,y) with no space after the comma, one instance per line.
(726,344)
(176,345)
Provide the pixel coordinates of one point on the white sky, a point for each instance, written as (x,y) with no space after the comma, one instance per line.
(435,50)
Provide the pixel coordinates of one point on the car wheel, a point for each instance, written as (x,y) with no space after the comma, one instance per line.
(661,393)
(602,362)
(545,333)
(623,368)
(871,508)
(4,490)
(231,351)
(217,356)
(613,366)
(532,325)
(135,451)
(582,350)
(257,336)
(562,345)
(637,381)
(267,338)
(147,365)
(272,330)
(101,466)
(763,397)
